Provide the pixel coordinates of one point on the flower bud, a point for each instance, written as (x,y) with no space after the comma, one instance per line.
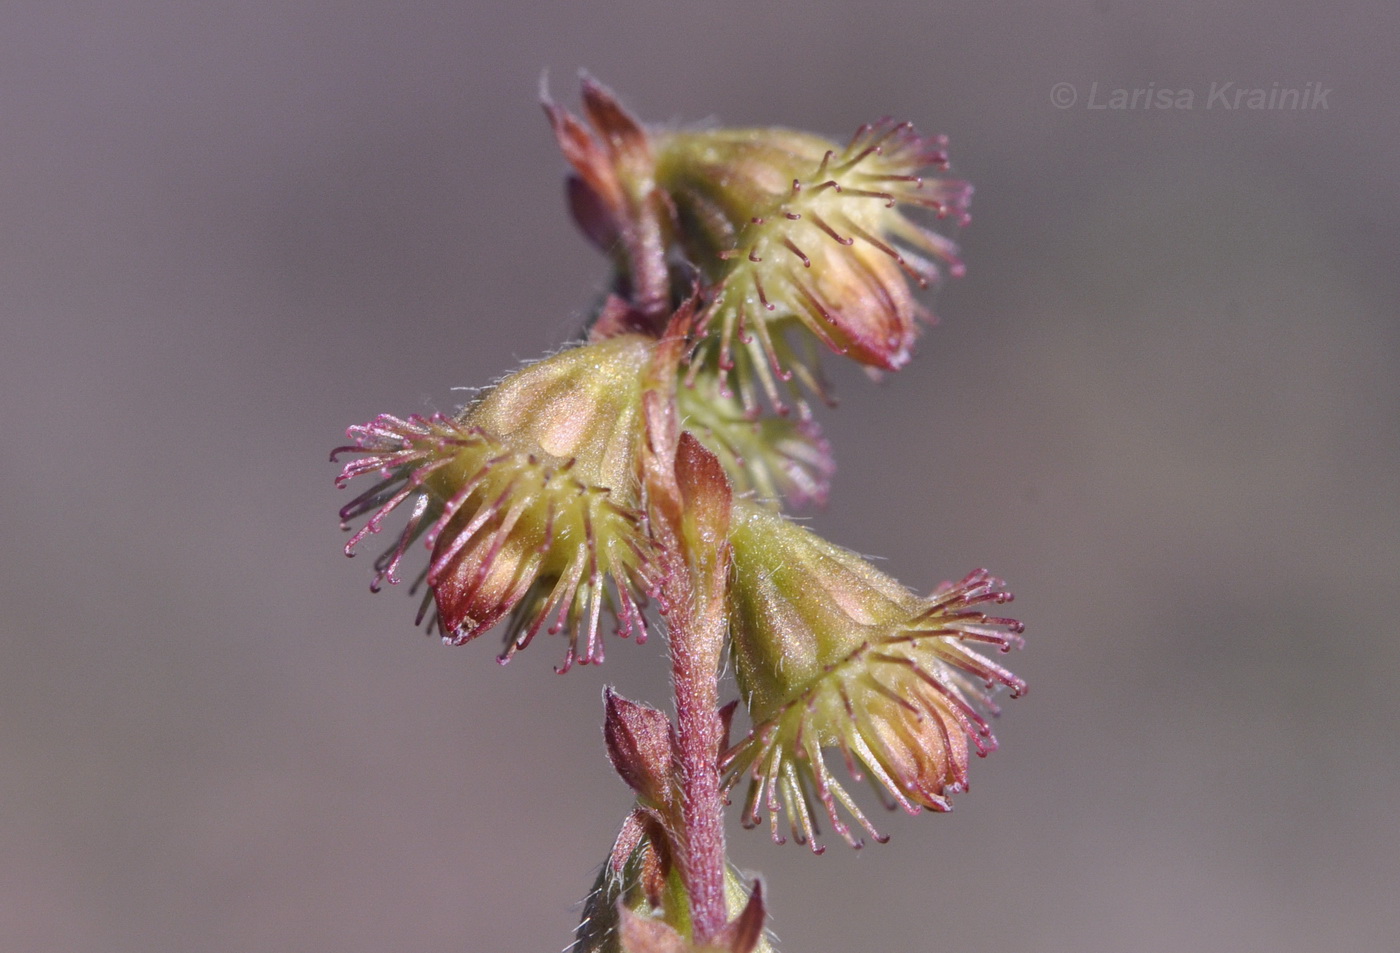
(638,901)
(528,498)
(640,745)
(797,231)
(633,878)
(832,653)
(612,195)
(743,934)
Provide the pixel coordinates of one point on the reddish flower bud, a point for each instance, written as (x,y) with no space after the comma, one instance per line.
(627,910)
(633,878)
(640,746)
(639,934)
(608,161)
(743,934)
(613,197)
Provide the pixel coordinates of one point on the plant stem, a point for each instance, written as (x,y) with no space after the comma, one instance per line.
(696,634)
(689,504)
(646,254)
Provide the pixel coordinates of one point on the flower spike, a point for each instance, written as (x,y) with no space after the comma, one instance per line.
(644,470)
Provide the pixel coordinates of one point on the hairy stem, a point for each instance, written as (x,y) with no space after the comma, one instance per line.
(696,634)
(646,259)
(689,502)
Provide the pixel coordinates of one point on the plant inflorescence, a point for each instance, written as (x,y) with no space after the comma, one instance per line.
(643,473)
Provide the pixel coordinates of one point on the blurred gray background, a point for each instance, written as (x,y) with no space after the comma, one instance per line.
(1163,404)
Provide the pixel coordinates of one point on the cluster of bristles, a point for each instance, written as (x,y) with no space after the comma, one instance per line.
(797,262)
(925,681)
(509,501)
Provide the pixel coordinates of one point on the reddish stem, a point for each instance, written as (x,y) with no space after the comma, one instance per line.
(696,633)
(690,512)
(646,259)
